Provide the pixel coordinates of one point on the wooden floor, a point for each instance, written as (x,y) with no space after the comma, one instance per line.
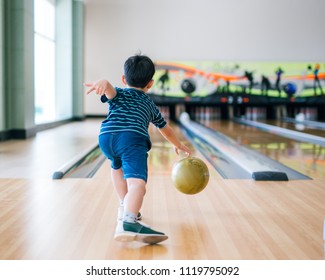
(41,218)
(40,156)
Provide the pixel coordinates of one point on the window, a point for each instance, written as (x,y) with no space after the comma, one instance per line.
(44,55)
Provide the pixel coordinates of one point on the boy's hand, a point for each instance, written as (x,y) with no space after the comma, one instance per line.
(184,149)
(101,87)
(170,136)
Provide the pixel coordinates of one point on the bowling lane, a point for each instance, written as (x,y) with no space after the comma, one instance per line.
(307,158)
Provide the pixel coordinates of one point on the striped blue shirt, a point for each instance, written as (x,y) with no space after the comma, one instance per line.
(131,110)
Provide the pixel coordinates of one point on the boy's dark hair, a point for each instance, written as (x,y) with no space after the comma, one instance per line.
(138,70)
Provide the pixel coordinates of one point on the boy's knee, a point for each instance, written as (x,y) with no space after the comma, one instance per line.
(138,185)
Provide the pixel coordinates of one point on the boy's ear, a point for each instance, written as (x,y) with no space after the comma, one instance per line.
(150,84)
(124,80)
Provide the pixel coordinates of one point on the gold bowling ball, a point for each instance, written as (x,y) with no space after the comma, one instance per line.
(190,175)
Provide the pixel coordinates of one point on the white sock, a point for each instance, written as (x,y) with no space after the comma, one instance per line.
(129,217)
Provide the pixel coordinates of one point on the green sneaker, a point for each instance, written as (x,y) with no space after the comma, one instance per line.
(138,232)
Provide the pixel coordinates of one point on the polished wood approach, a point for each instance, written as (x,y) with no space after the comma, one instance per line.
(41,218)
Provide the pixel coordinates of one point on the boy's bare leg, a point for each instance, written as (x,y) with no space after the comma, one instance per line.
(121,189)
(119,183)
(134,196)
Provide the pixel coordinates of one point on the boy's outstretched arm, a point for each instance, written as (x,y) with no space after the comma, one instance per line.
(170,136)
(101,87)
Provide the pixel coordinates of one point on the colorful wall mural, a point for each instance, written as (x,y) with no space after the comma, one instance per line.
(202,78)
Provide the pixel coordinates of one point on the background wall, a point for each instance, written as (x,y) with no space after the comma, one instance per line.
(2,88)
(232,30)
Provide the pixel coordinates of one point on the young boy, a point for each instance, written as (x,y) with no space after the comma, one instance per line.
(124,139)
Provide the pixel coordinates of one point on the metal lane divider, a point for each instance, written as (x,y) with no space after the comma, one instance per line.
(295,135)
(83,165)
(311,124)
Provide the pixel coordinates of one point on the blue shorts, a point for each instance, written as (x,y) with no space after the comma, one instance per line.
(127,150)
